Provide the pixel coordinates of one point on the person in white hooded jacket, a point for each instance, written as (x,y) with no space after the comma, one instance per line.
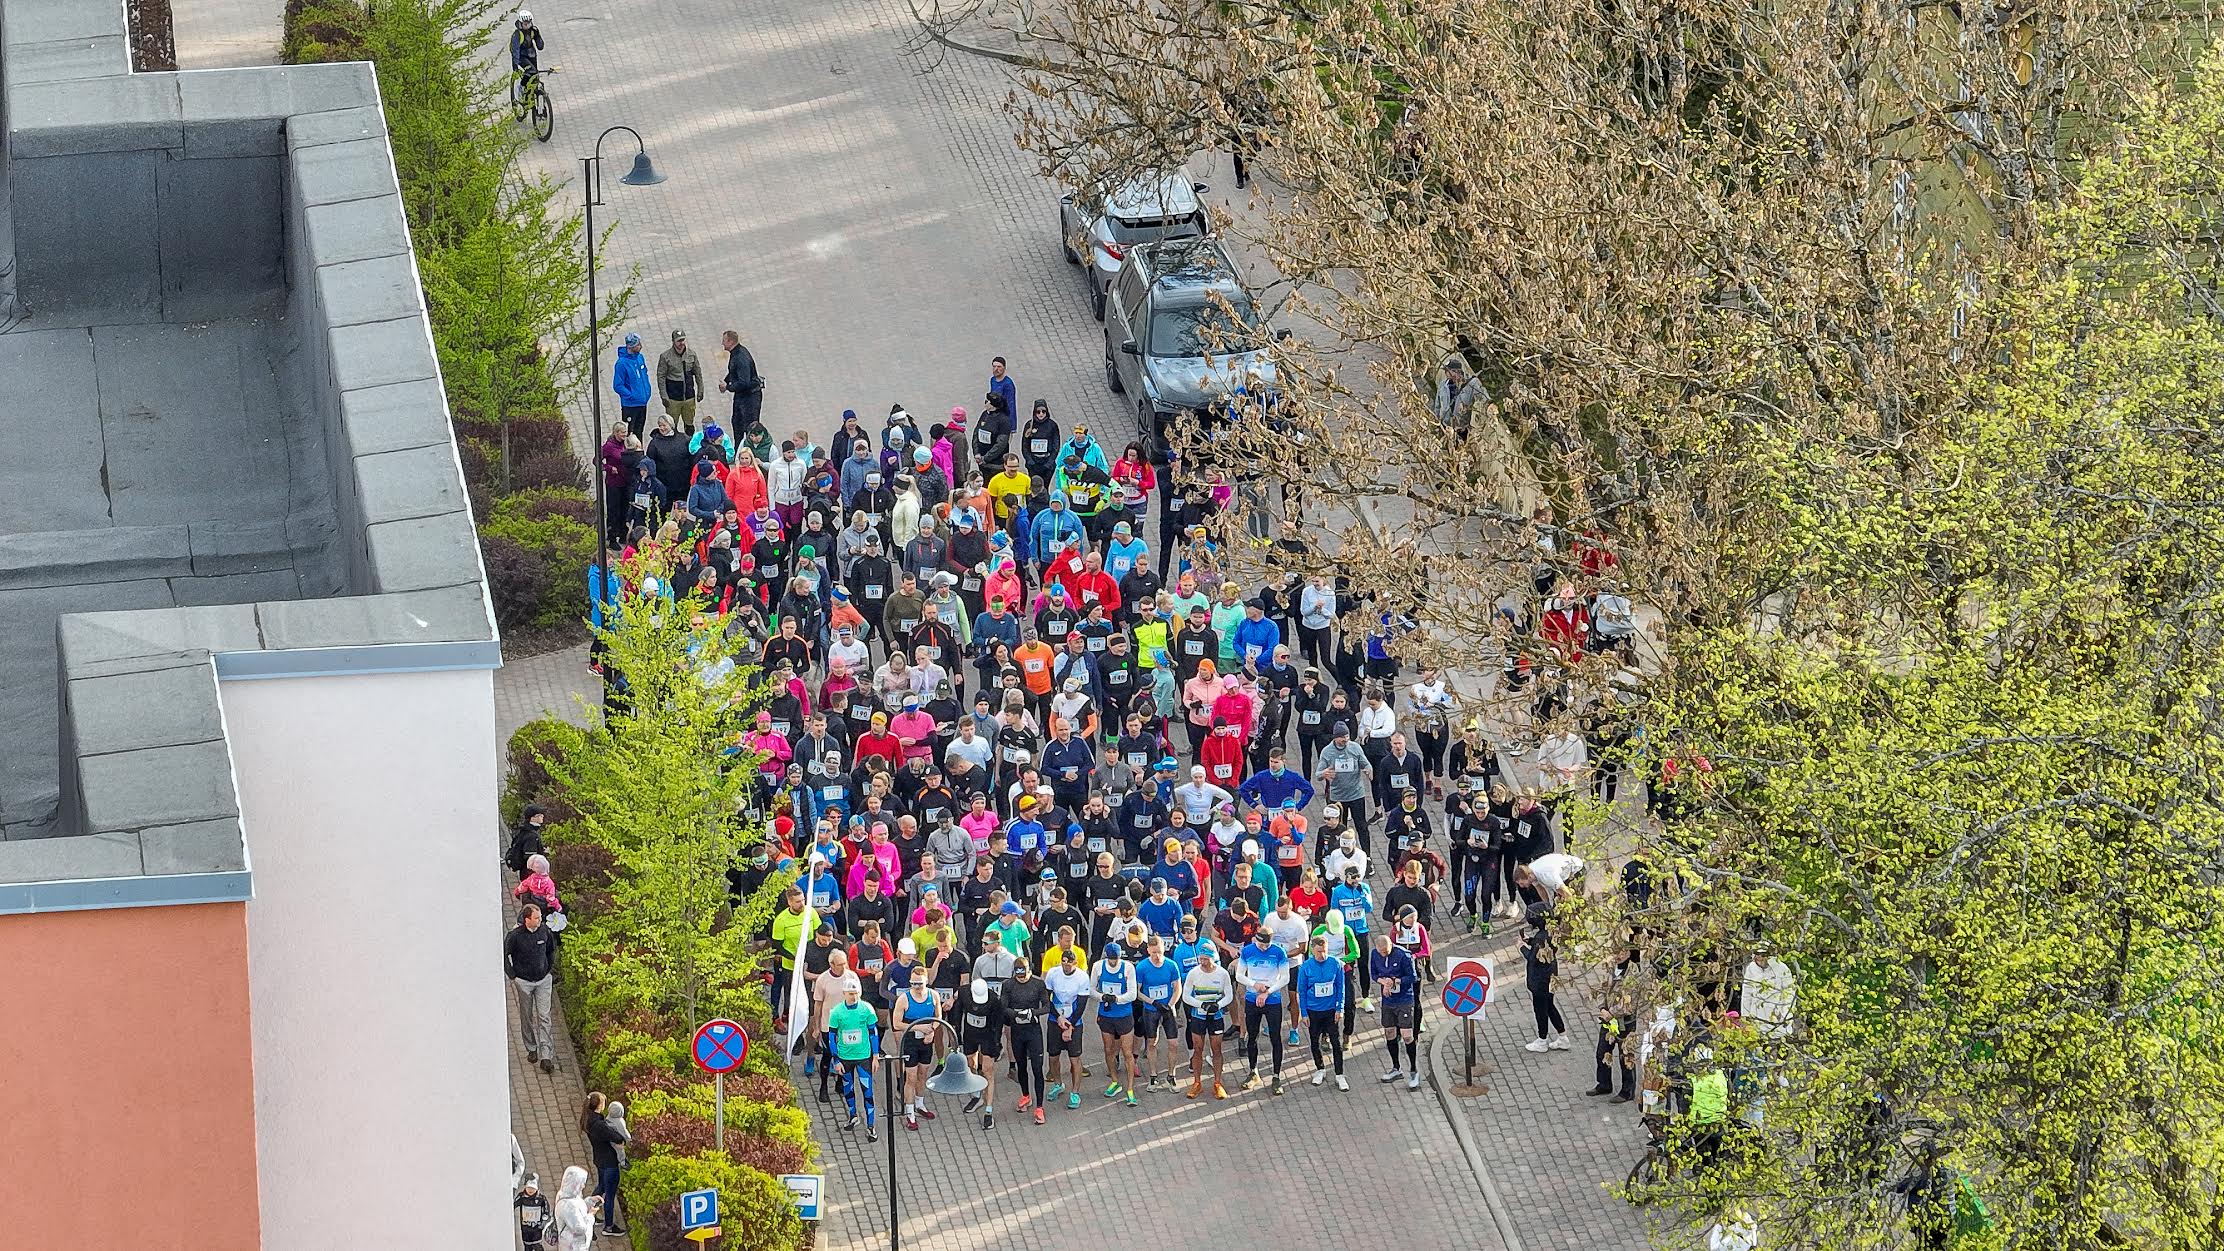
(575,1213)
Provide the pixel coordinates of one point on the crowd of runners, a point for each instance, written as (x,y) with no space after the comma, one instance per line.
(1047,765)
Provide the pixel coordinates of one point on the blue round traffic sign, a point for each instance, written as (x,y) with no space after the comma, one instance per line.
(1466,990)
(720,1046)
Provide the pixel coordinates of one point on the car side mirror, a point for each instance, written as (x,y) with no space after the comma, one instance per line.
(1282,335)
(1130,348)
(1199,188)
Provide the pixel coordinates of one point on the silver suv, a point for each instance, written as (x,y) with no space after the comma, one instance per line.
(1181,335)
(1145,210)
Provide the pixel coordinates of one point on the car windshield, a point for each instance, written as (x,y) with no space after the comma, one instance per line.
(1126,230)
(1205,328)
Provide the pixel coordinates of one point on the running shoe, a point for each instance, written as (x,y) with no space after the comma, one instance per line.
(1038,1116)
(972,1105)
(1393,1075)
(988,1120)
(1538,1045)
(1320,1077)
(926,1112)
(1113,1091)
(1277,1085)
(1341,1084)
(1196,1087)
(1413,1082)
(1073,1100)
(1026,1102)
(871,1134)
(1056,1089)
(910,1121)
(1293,1038)
(1559,1043)
(1251,1081)
(1219,1091)
(850,1124)
(1131,1099)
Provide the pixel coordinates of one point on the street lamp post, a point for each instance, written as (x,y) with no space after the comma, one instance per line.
(954,1079)
(643,174)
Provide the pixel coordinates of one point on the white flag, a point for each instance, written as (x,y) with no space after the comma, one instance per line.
(799,991)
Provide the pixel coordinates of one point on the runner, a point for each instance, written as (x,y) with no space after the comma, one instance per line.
(1262,970)
(1393,973)
(914,1007)
(1115,984)
(1158,985)
(981,1032)
(1320,991)
(1025,1004)
(1069,995)
(1206,993)
(856,1033)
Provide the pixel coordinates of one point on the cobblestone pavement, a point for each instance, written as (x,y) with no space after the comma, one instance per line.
(1314,1168)
(1550,1149)
(862,220)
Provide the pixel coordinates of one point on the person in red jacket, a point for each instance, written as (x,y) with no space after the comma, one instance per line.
(1222,755)
(877,741)
(1089,585)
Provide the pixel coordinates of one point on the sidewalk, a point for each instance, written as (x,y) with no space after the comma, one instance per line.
(1551,1150)
(544,1107)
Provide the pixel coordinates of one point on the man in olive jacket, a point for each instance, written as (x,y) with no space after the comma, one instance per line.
(679,377)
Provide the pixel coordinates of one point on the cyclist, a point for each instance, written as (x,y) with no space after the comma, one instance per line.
(525,46)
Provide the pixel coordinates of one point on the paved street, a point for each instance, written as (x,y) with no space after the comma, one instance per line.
(867,226)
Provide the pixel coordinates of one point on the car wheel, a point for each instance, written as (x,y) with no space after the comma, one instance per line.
(1096,298)
(1065,241)
(1112,370)
(1153,434)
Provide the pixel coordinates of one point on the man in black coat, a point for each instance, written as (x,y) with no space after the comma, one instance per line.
(744,383)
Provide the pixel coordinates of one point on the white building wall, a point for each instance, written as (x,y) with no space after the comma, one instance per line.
(381,1079)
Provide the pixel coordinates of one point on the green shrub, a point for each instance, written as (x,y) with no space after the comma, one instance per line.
(753,1207)
(625,1053)
(563,547)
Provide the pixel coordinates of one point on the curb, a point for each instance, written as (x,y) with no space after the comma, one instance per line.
(1440,1081)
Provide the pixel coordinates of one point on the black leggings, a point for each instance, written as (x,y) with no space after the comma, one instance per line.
(1027,1056)
(1319,1025)
(1547,1010)
(1269,1015)
(1432,752)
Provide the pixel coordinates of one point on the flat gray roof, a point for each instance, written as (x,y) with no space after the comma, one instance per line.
(246,467)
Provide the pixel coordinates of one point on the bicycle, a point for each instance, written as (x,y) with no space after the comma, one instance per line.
(529,101)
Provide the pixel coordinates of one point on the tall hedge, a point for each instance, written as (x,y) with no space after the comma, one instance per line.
(504,281)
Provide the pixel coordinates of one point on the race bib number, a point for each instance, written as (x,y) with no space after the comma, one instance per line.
(873,590)
(1308,717)
(1193,648)
(1040,447)
(852,1036)
(1397,781)
(1347,765)
(1287,853)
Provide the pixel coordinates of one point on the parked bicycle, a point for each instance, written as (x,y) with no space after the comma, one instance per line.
(530,104)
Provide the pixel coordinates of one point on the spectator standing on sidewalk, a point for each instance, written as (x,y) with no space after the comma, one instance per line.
(679,374)
(529,958)
(744,383)
(575,1213)
(607,1141)
(629,377)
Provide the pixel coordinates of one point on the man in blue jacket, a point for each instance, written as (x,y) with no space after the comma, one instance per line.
(1392,971)
(1320,992)
(629,377)
(1052,530)
(1256,636)
(1275,785)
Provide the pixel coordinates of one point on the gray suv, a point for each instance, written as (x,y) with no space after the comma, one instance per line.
(1181,334)
(1144,210)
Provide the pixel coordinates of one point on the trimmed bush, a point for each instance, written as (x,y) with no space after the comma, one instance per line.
(751,1203)
(533,520)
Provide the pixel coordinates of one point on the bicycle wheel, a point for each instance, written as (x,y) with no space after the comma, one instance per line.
(1651,1169)
(544,116)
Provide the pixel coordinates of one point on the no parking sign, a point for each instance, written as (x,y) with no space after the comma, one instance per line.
(1467,989)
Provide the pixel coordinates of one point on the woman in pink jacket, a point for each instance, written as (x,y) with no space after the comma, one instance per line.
(1235,706)
(1003,583)
(914,729)
(772,745)
(878,854)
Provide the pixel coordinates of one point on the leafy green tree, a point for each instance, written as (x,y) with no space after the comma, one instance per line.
(664,785)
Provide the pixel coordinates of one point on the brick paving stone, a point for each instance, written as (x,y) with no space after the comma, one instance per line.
(544,1107)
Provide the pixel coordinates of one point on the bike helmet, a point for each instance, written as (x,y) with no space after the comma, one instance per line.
(525,17)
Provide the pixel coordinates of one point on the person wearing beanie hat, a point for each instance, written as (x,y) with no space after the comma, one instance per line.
(1347,776)
(629,377)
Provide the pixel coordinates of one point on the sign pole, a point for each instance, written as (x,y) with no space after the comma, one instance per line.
(1470,1051)
(718,1095)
